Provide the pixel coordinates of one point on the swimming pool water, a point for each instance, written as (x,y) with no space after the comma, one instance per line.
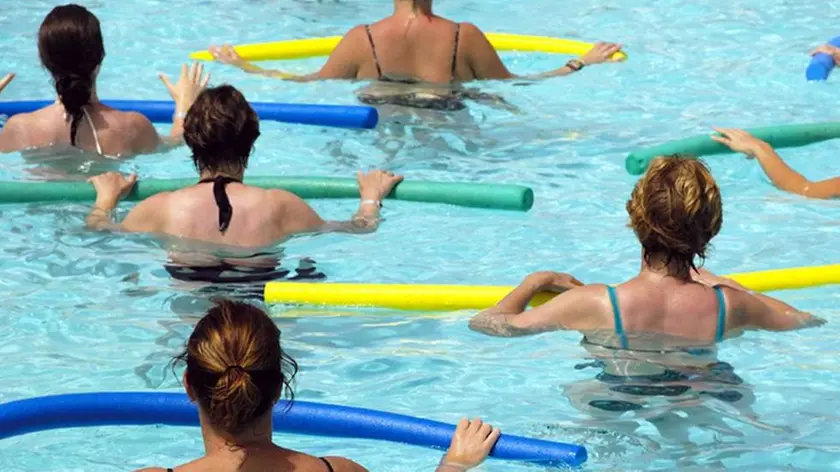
(91,312)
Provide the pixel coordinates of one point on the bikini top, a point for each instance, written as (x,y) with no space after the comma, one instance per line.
(222,200)
(93,130)
(385,78)
(619,327)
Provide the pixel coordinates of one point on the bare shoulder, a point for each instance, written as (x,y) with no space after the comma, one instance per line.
(342,464)
(470,33)
(151,469)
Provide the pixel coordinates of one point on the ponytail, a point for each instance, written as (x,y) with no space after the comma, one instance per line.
(74,91)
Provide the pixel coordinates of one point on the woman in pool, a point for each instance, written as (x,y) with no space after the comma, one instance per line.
(781,174)
(829,49)
(416,47)
(236,371)
(220,129)
(655,333)
(71,49)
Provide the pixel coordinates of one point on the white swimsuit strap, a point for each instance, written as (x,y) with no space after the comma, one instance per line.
(95,134)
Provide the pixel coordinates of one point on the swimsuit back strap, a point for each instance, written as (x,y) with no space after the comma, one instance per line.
(455,50)
(619,327)
(721,318)
(327,463)
(222,200)
(373,48)
(93,129)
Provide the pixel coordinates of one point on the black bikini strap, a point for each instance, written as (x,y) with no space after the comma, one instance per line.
(375,56)
(222,200)
(455,50)
(327,463)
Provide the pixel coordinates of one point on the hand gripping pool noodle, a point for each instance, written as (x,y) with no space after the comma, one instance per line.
(784,136)
(339,116)
(319,47)
(821,64)
(494,196)
(175,409)
(436,298)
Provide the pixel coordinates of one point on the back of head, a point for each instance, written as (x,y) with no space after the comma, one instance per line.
(71,48)
(236,369)
(220,129)
(675,210)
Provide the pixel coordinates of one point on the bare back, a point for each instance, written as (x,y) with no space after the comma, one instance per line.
(259,218)
(118,133)
(275,459)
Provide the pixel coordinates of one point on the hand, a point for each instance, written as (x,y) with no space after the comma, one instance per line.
(377,184)
(471,443)
(739,141)
(226,54)
(111,187)
(191,83)
(554,281)
(600,53)
(832,51)
(5,81)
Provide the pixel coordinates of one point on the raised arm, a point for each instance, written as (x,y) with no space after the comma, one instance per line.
(567,310)
(782,175)
(190,84)
(758,310)
(343,62)
(487,65)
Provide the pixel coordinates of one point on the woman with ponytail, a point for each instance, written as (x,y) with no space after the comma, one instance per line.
(236,371)
(71,49)
(417,48)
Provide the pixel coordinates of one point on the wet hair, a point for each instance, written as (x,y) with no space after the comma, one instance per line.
(236,369)
(70,46)
(675,211)
(220,130)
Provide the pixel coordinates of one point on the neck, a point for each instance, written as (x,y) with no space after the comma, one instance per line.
(205,175)
(256,436)
(412,7)
(94,98)
(656,264)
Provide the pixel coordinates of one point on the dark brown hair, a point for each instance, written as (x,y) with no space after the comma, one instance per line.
(675,210)
(70,46)
(236,369)
(220,129)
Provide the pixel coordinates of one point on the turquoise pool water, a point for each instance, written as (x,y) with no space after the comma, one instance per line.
(90,312)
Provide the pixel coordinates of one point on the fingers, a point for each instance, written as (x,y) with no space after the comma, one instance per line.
(5,81)
(493,438)
(475,425)
(720,139)
(205,81)
(132,179)
(484,430)
(184,71)
(166,82)
(462,425)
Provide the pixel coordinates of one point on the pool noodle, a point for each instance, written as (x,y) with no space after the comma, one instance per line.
(475,195)
(821,64)
(319,47)
(784,136)
(175,409)
(425,298)
(156,111)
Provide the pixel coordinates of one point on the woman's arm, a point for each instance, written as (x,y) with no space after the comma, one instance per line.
(487,65)
(470,446)
(343,62)
(760,310)
(568,310)
(781,174)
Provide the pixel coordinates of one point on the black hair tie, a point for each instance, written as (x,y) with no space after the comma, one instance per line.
(222,200)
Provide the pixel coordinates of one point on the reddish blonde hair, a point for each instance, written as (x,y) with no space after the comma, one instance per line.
(675,210)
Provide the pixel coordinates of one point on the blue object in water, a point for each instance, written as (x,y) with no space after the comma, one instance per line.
(175,409)
(821,64)
(339,116)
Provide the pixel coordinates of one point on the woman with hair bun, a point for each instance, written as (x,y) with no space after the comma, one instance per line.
(71,49)
(236,371)
(675,211)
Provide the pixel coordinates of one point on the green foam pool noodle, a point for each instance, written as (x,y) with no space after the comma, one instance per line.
(784,136)
(475,195)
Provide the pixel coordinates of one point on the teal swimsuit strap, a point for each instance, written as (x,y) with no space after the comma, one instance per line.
(721,320)
(619,328)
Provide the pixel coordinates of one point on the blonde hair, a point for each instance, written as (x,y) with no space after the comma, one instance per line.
(675,210)
(236,370)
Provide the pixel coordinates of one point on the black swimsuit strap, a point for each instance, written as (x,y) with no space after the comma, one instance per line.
(375,56)
(327,463)
(455,50)
(222,200)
